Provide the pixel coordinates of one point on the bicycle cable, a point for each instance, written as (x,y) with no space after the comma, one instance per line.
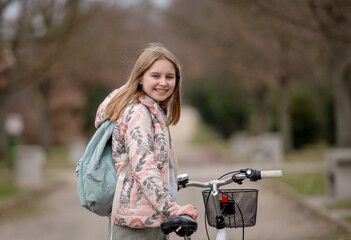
(227,174)
(242,217)
(241,214)
(206,222)
(208,196)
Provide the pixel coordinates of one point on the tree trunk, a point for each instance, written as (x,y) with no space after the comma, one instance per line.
(341,74)
(3,138)
(260,116)
(46,131)
(284,115)
(342,90)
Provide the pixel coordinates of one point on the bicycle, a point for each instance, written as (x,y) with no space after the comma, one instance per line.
(225,208)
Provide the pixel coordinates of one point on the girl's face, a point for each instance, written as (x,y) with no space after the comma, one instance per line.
(159,81)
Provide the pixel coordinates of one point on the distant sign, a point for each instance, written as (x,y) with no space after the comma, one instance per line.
(14,125)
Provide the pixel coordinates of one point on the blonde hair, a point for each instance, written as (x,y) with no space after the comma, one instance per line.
(132,91)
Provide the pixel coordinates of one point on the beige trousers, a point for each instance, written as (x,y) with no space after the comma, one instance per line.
(126,233)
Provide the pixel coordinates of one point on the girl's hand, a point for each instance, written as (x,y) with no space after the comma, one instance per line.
(189,210)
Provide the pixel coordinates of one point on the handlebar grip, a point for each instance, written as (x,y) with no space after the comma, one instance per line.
(271,174)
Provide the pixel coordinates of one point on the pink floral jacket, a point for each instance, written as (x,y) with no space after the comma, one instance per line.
(145,200)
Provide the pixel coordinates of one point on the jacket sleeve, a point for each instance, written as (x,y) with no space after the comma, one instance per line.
(139,140)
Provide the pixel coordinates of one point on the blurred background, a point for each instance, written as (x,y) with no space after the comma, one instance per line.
(264,81)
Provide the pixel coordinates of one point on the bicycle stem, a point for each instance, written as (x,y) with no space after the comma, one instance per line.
(219,216)
(214,195)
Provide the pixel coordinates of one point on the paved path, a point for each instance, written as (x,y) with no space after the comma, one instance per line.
(64,219)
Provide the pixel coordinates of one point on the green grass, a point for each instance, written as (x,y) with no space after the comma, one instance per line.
(336,234)
(312,153)
(7,187)
(340,205)
(58,158)
(8,191)
(11,205)
(306,184)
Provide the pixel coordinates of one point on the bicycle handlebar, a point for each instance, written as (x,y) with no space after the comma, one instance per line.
(237,177)
(271,174)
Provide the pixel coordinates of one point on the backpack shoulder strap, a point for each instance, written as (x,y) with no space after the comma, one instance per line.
(148,112)
(116,198)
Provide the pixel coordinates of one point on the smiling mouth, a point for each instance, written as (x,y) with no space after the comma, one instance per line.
(161,90)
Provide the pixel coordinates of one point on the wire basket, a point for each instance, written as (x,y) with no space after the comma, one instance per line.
(238,206)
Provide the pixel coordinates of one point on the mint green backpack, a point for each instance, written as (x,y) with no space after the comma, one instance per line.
(96,172)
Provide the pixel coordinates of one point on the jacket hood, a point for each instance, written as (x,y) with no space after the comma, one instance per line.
(100,115)
(145,100)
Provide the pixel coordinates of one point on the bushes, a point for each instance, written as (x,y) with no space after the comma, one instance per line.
(306,127)
(221,102)
(225,106)
(312,118)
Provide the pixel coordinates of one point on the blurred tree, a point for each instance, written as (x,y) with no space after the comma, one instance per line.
(237,37)
(330,19)
(33,36)
(97,60)
(228,48)
(271,45)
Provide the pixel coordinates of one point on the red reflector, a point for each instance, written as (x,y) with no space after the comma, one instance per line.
(224,200)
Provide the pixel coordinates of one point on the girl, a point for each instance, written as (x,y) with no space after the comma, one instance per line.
(143,109)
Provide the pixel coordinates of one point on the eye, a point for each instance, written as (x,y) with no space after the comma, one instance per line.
(170,77)
(155,75)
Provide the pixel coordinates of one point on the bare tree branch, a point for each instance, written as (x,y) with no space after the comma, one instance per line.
(331,17)
(4,4)
(54,41)
(319,27)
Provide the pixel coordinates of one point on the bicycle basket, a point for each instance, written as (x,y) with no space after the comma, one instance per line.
(238,206)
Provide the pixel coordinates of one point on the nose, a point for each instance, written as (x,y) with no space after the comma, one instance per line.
(163,81)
